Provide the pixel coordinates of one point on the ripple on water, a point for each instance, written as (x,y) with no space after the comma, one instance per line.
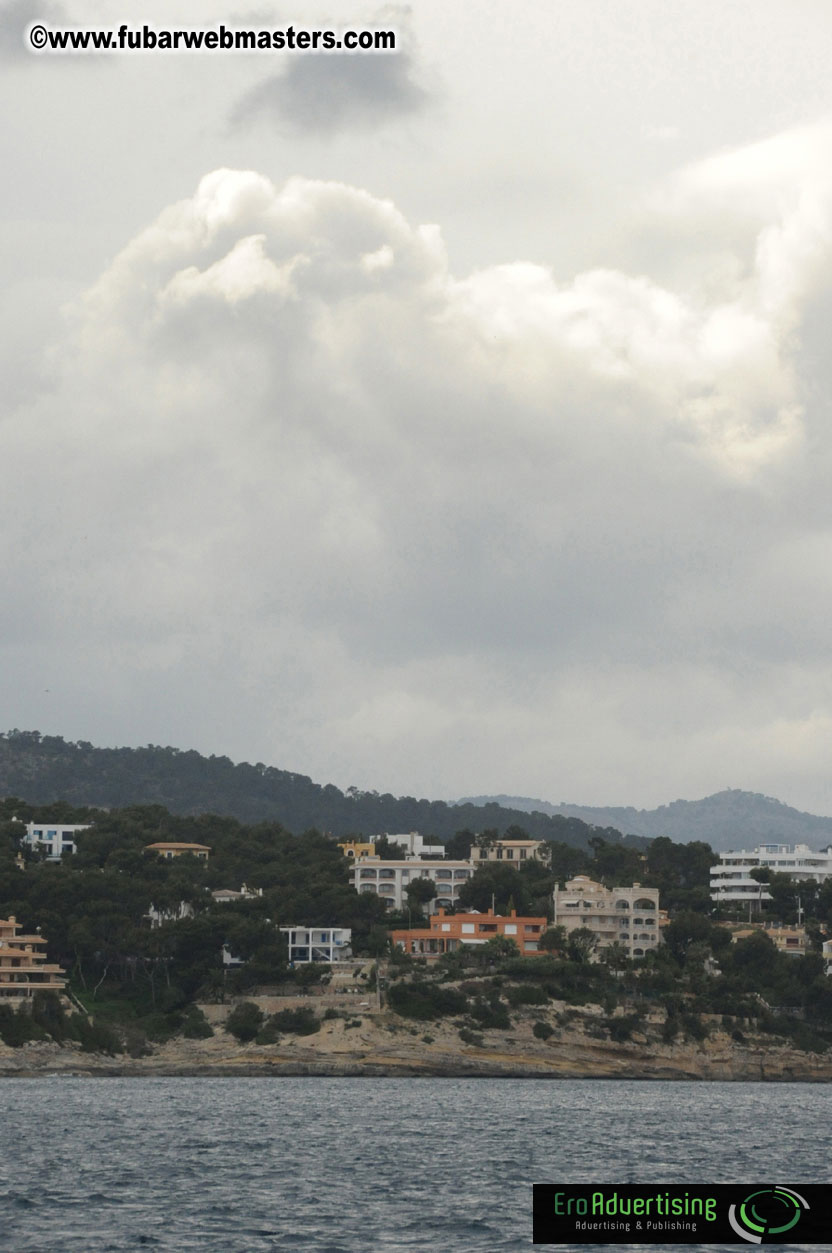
(350,1165)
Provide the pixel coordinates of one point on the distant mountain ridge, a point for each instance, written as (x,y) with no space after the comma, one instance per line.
(732,819)
(43,769)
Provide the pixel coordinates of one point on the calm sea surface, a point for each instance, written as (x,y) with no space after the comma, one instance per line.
(348,1165)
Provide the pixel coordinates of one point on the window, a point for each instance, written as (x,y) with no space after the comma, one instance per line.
(509,853)
(468,928)
(511,929)
(522,854)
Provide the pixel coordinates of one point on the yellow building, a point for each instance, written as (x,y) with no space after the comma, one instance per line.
(357,848)
(512,852)
(172,849)
(23,966)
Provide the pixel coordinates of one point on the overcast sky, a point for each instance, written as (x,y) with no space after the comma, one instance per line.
(443,422)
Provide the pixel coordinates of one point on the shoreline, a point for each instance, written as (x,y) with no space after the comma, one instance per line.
(384,1046)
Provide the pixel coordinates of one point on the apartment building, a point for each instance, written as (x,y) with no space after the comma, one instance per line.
(514,852)
(55,838)
(391,879)
(627,916)
(445,933)
(24,969)
(731,880)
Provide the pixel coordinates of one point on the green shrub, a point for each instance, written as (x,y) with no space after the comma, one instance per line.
(94,1037)
(244,1021)
(196,1026)
(296,1021)
(621,1029)
(542,1030)
(17,1028)
(694,1027)
(425,1001)
(491,1015)
(467,1036)
(528,994)
(48,1013)
(268,1033)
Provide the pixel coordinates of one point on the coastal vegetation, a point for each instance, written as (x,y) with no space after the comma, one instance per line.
(145,943)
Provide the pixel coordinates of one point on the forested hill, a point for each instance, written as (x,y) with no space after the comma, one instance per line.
(727,820)
(42,769)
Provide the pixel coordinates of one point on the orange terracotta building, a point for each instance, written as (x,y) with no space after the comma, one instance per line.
(446,932)
(23,966)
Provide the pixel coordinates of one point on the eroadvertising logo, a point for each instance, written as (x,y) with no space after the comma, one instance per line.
(717,1213)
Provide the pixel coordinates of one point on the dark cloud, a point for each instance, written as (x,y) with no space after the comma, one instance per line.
(16,17)
(332,92)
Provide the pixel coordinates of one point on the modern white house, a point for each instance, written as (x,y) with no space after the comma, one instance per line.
(56,838)
(415,845)
(626,916)
(391,879)
(731,880)
(317,944)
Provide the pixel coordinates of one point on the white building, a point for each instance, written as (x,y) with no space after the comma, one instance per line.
(415,845)
(227,896)
(391,879)
(56,838)
(317,944)
(731,880)
(627,916)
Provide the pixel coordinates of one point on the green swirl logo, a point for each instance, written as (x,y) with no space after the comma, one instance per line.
(770,1212)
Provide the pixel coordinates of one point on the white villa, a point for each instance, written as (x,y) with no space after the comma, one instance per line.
(56,838)
(318,944)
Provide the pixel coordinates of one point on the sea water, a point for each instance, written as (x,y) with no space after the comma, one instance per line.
(329,1165)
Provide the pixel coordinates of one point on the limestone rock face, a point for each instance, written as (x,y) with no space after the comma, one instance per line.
(384,1044)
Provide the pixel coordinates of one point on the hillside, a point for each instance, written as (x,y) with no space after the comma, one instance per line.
(727,820)
(44,769)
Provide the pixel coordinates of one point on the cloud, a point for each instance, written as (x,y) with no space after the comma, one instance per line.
(302,487)
(15,18)
(329,93)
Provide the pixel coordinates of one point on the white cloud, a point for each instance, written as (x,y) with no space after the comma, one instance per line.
(300,485)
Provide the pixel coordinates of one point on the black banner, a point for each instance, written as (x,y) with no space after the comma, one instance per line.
(718,1213)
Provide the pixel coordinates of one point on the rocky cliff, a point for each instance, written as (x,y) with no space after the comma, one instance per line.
(385,1045)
